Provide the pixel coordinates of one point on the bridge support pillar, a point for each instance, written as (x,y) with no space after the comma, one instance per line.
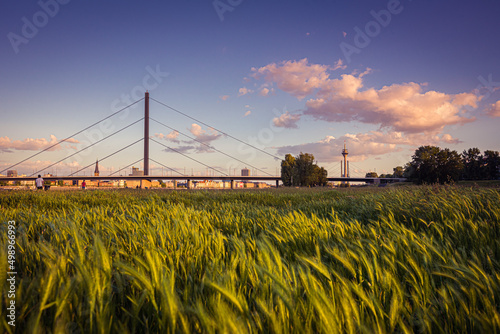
(277,183)
(175,184)
(232,184)
(189,184)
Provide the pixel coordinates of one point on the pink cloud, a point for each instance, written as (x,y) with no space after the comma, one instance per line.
(403,107)
(244,91)
(297,78)
(30,144)
(494,109)
(264,92)
(365,145)
(339,64)
(329,149)
(202,135)
(172,136)
(30,166)
(286,120)
(224,97)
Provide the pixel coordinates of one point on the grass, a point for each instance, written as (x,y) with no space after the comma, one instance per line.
(402,259)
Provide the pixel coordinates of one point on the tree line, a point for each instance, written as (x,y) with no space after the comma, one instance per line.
(429,164)
(432,164)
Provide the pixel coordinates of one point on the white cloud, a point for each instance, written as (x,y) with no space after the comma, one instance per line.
(30,144)
(286,120)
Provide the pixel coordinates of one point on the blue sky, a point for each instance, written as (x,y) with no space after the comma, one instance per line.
(286,76)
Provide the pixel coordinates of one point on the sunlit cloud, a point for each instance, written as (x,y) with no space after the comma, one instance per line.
(31,166)
(403,107)
(494,109)
(339,64)
(224,97)
(202,136)
(287,120)
(172,136)
(247,113)
(365,145)
(297,78)
(264,92)
(244,91)
(30,144)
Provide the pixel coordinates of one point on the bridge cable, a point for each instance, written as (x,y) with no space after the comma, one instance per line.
(83,149)
(167,167)
(224,133)
(133,163)
(77,133)
(334,169)
(211,147)
(110,155)
(361,170)
(187,156)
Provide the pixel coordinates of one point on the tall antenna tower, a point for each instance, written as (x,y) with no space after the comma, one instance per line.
(344,154)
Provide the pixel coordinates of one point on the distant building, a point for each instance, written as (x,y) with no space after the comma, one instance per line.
(245,172)
(138,183)
(12,173)
(96,170)
(136,172)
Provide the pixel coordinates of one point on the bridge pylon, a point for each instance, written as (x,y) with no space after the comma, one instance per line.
(146,133)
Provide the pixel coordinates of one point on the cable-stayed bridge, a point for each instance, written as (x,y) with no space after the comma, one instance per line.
(146,139)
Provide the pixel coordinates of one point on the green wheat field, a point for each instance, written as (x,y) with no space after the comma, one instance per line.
(404,259)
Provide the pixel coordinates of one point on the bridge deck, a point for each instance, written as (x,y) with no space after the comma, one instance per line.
(192,177)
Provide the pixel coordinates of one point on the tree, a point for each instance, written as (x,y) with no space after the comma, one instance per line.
(305,171)
(472,161)
(302,171)
(449,166)
(288,171)
(371,174)
(398,172)
(319,176)
(491,164)
(431,164)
